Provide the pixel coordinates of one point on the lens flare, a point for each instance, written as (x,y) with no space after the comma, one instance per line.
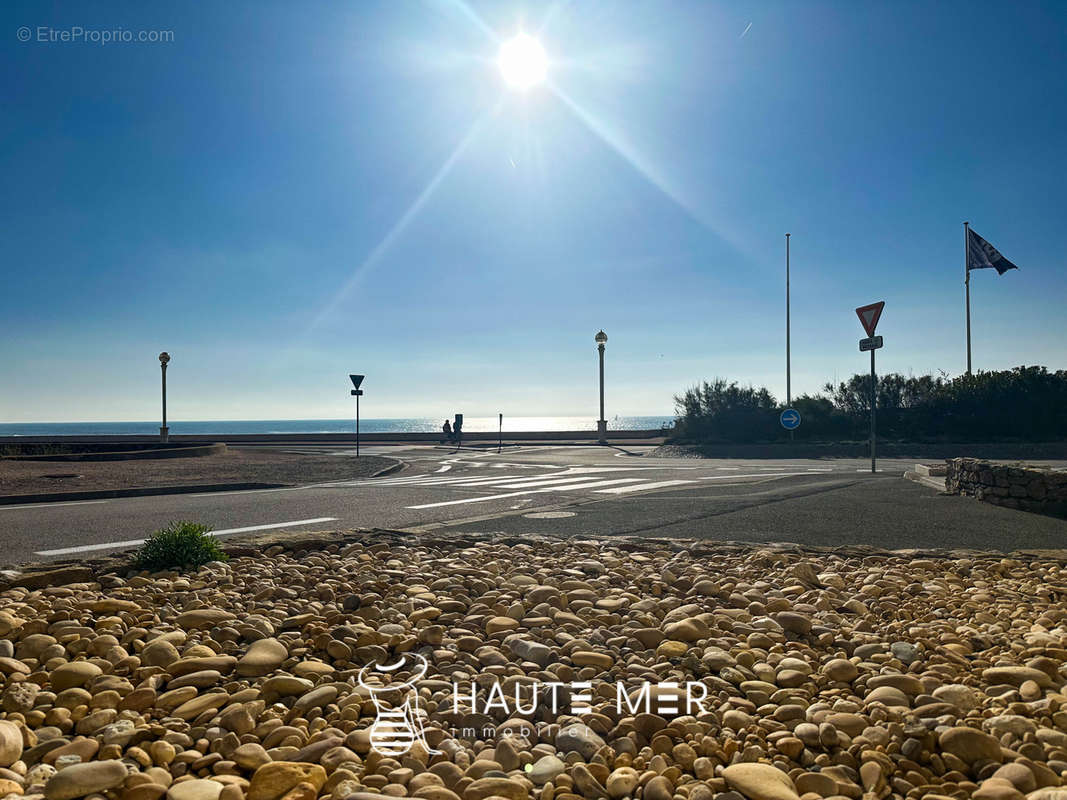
(522,61)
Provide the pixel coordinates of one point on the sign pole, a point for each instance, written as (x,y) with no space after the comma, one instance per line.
(967,285)
(874,403)
(357,380)
(869,316)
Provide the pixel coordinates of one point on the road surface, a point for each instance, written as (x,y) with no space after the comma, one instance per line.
(579,491)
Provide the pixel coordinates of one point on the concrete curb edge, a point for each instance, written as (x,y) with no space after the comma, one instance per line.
(399,465)
(142,491)
(925,480)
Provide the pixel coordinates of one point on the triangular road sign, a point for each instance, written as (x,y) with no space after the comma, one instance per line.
(869,316)
(356,380)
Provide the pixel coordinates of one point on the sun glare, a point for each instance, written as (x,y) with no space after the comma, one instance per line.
(522,61)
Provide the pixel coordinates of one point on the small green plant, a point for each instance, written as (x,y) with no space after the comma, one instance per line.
(180,544)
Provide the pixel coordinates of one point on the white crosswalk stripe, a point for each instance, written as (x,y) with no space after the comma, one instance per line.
(600,480)
(570,479)
(435,480)
(640,487)
(528,482)
(484,498)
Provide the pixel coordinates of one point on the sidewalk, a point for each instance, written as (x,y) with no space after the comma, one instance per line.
(42,481)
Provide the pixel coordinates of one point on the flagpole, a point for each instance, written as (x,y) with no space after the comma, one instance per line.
(967,285)
(788,383)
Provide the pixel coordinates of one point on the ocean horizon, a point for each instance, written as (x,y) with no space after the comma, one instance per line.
(395,425)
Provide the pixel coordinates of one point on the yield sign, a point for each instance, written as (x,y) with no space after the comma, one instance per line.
(869,316)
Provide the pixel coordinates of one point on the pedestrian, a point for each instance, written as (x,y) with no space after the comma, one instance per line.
(446,429)
(457,431)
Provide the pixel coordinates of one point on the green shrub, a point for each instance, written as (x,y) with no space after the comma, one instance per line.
(726,412)
(180,544)
(1020,404)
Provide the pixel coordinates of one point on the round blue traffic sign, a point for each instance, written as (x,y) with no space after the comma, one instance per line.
(790,419)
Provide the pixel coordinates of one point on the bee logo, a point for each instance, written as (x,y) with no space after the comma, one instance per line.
(399,719)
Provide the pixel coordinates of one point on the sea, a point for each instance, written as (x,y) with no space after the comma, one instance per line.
(406,425)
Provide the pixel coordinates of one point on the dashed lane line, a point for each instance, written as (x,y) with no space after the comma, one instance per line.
(88,548)
(17,506)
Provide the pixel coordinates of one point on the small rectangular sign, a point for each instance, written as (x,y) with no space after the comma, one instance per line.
(872,343)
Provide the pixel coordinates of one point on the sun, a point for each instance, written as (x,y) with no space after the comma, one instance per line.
(522,62)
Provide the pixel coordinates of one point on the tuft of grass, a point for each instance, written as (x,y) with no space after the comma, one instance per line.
(179,545)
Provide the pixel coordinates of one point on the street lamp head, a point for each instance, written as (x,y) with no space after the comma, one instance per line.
(601,338)
(164,358)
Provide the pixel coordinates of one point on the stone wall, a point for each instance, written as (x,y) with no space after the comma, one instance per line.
(1010,485)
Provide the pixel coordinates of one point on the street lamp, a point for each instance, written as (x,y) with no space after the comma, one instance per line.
(602,424)
(164,432)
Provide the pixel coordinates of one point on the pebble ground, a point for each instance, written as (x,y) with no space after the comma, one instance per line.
(827,675)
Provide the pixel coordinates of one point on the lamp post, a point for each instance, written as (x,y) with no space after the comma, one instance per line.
(164,432)
(602,424)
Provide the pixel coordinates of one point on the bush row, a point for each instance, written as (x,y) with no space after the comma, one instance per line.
(1024,403)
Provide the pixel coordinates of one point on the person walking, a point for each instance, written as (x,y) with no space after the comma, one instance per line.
(446,429)
(457,431)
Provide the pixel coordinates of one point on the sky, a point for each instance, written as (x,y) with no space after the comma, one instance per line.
(279,194)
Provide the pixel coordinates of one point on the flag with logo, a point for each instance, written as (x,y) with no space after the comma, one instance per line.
(982,255)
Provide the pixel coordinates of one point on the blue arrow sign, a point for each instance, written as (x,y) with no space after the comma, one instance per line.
(790,419)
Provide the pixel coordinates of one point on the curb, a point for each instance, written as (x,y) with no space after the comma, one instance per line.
(932,470)
(103,494)
(925,480)
(399,465)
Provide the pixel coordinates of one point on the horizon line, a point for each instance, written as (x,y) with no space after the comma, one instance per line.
(320,419)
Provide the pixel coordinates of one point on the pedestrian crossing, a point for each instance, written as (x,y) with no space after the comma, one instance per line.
(597,480)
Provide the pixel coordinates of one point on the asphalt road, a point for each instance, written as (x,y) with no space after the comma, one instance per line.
(579,491)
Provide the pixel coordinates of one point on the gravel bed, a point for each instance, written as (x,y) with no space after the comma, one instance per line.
(820,675)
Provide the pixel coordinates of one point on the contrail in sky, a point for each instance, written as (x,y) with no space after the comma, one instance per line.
(746,30)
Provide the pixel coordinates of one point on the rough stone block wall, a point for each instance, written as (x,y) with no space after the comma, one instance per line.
(1010,485)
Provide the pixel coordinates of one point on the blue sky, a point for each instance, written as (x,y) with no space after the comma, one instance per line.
(289,192)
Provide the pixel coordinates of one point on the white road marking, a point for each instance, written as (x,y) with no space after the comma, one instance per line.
(641,487)
(409,479)
(445,468)
(589,470)
(503,480)
(245,491)
(432,481)
(484,498)
(528,483)
(15,506)
(63,551)
(752,475)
